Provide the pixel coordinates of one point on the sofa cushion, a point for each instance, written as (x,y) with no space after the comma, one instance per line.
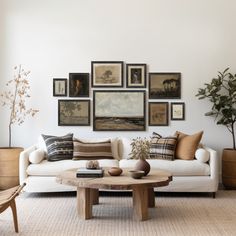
(176,167)
(92,150)
(59,147)
(36,156)
(187,145)
(47,168)
(163,147)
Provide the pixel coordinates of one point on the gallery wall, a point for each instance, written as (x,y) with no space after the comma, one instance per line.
(56,37)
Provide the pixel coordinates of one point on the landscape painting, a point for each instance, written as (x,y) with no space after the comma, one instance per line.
(119,110)
(164,85)
(107,74)
(73,112)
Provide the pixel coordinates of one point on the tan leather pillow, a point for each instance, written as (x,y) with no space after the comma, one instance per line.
(187,145)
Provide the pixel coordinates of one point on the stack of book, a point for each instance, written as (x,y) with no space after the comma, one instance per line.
(89,173)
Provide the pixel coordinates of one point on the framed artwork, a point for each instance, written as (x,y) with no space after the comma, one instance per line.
(177,110)
(120,110)
(73,112)
(136,75)
(164,85)
(78,84)
(158,113)
(59,87)
(107,73)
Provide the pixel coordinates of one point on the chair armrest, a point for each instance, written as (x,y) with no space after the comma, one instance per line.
(24,163)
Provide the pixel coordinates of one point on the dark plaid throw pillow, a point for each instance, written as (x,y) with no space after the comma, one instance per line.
(59,148)
(163,147)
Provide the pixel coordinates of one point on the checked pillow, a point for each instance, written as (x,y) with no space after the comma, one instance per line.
(163,147)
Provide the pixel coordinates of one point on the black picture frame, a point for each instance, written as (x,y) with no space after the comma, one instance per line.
(79,84)
(119,110)
(107,73)
(177,111)
(59,87)
(165,85)
(136,75)
(158,114)
(73,112)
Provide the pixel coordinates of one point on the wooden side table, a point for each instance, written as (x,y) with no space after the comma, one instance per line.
(9,167)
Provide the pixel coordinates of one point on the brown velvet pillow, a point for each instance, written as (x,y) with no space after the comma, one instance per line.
(187,145)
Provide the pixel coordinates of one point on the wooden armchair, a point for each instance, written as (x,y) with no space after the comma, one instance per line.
(7,198)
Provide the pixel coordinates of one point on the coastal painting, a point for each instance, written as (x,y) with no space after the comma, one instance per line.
(119,110)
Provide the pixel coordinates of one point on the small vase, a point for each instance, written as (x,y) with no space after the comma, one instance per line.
(142,164)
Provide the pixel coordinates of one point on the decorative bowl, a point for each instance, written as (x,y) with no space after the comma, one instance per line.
(137,174)
(115,171)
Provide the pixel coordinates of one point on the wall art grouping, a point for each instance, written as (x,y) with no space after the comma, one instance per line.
(117,108)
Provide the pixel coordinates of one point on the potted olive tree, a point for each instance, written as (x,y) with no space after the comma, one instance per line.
(221,92)
(15,98)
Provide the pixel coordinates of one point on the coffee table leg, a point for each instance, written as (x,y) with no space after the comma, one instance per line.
(140,203)
(95,196)
(84,203)
(151,197)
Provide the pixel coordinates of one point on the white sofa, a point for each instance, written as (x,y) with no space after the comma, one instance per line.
(188,175)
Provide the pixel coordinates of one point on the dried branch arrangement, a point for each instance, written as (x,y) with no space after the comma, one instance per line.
(15,98)
(140,148)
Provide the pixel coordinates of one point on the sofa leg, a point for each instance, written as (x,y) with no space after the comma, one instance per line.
(213,194)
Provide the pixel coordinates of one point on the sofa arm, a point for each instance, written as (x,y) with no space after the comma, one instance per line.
(24,163)
(214,165)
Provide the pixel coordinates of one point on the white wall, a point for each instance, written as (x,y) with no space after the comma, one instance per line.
(54,37)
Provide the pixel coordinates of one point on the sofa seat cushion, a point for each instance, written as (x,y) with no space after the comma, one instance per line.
(176,167)
(47,168)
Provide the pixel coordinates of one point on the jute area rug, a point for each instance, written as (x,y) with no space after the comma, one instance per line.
(183,214)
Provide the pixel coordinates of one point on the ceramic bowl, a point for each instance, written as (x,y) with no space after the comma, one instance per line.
(115,171)
(137,174)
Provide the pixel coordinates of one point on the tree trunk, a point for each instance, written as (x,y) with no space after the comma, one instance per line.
(233,134)
(9,133)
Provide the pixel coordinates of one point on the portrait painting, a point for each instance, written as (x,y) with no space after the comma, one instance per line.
(78,84)
(135,75)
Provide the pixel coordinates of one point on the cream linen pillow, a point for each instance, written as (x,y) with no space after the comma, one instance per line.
(202,155)
(187,145)
(37,156)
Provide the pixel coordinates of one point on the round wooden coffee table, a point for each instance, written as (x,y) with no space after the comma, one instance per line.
(143,189)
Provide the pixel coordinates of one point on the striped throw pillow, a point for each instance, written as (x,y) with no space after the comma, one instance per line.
(59,148)
(163,148)
(92,150)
